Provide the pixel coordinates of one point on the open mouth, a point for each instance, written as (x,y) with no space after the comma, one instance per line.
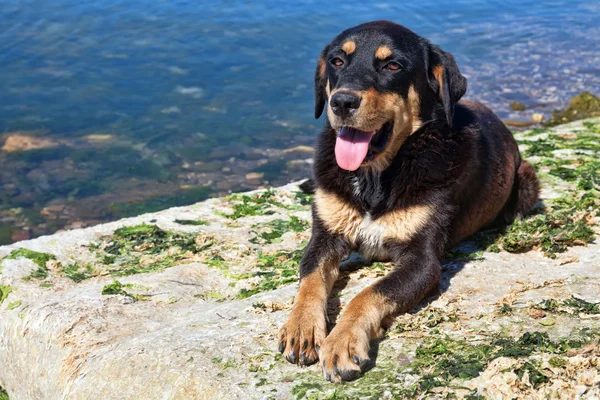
(353,146)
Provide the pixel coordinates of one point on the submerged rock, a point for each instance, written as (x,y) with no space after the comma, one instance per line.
(21,142)
(517,106)
(584,105)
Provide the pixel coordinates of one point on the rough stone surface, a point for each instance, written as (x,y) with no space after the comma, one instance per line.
(202,323)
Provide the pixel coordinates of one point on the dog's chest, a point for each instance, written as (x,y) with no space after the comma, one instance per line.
(365,232)
(368,238)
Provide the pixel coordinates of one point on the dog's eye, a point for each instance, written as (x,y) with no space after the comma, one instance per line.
(393,66)
(338,62)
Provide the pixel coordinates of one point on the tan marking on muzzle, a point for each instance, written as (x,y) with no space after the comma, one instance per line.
(406,122)
(349,47)
(376,109)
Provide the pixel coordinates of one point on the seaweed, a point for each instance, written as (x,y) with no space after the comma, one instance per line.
(5,290)
(37,257)
(276,229)
(14,304)
(40,259)
(569,306)
(78,272)
(195,222)
(117,288)
(443,359)
(275,269)
(252,205)
(145,248)
(564,223)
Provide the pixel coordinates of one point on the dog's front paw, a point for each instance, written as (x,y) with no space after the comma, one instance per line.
(345,354)
(302,335)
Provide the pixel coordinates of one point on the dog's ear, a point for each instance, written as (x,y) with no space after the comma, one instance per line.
(320,82)
(445,79)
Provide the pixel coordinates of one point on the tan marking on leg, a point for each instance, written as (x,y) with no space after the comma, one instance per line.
(346,348)
(349,47)
(438,72)
(337,215)
(383,52)
(306,327)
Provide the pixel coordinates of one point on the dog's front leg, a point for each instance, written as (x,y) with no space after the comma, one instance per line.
(306,327)
(345,352)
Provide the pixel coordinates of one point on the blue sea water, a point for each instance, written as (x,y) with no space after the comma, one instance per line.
(189,94)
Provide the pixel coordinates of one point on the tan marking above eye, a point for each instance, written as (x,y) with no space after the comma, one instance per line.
(383,52)
(349,47)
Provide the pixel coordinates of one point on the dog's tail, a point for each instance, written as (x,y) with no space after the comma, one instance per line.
(308,186)
(528,188)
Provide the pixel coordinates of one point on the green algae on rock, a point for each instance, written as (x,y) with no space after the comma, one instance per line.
(569,306)
(566,222)
(272,231)
(113,288)
(198,222)
(41,259)
(584,105)
(4,292)
(446,366)
(263,203)
(147,248)
(117,288)
(275,269)
(14,304)
(78,272)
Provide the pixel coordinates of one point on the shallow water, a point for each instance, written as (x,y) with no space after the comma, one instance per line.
(150,104)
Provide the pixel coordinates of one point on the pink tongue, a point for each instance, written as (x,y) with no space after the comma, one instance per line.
(351,147)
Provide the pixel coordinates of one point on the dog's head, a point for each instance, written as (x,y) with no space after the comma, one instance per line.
(382,82)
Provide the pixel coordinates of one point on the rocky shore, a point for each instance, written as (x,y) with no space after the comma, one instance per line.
(186,302)
(49,183)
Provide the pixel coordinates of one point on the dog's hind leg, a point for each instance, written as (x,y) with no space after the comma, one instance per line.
(523,198)
(528,189)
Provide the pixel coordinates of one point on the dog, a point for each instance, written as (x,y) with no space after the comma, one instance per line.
(403,171)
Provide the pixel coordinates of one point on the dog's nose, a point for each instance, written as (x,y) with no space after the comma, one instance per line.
(344,104)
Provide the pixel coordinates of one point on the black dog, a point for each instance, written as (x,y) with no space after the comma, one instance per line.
(402,172)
